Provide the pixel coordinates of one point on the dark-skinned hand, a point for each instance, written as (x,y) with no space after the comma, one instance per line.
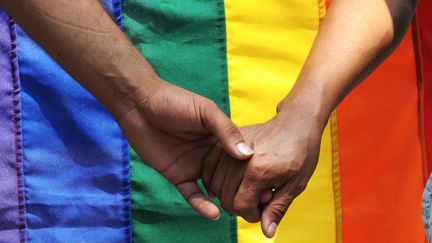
(172,130)
(262,188)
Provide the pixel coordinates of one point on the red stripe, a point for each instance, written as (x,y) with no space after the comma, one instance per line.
(424,16)
(381,162)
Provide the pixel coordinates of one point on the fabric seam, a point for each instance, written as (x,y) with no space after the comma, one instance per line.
(127,210)
(322,5)
(17,131)
(222,42)
(336,176)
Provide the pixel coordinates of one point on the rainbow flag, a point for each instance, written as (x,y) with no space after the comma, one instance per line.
(68,174)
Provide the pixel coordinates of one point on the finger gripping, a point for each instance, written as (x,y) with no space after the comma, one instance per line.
(279,209)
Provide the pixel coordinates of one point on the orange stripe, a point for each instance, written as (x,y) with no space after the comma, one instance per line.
(421,93)
(424,17)
(327,2)
(380,154)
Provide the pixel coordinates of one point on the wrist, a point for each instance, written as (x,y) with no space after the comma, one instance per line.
(136,96)
(307,107)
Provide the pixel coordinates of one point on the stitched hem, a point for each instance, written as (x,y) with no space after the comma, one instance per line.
(17,131)
(127,224)
(221,41)
(127,211)
(336,177)
(117,13)
(323,5)
(321,9)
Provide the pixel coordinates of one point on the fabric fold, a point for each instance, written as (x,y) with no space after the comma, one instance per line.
(76,163)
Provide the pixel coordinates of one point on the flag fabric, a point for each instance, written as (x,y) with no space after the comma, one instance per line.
(423,26)
(69,175)
(71,160)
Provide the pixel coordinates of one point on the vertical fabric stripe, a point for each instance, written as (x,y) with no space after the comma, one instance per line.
(327,3)
(11,189)
(75,157)
(185,43)
(117,16)
(336,177)
(380,154)
(268,43)
(424,25)
(336,164)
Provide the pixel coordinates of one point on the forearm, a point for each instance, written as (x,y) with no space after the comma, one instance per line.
(84,40)
(354,38)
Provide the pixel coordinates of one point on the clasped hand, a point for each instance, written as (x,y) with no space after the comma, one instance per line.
(185,137)
(263,187)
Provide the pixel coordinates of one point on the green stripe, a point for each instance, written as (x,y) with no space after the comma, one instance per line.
(185,42)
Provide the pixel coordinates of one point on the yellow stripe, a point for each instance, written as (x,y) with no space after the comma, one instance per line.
(268,42)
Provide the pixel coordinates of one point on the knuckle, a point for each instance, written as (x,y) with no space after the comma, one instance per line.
(246,211)
(232,129)
(210,105)
(261,171)
(251,177)
(207,107)
(252,219)
(295,166)
(279,209)
(241,208)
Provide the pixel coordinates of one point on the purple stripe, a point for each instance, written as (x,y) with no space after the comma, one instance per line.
(18,131)
(12,211)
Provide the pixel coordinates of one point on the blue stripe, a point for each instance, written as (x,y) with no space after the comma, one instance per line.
(117,12)
(76,165)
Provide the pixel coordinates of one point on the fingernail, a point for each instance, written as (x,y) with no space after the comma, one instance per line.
(244,149)
(272,229)
(218,217)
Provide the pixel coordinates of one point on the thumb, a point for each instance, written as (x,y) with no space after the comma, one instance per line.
(227,132)
(276,209)
(195,197)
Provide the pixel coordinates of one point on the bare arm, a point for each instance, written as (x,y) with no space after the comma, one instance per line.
(84,40)
(354,38)
(170,128)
